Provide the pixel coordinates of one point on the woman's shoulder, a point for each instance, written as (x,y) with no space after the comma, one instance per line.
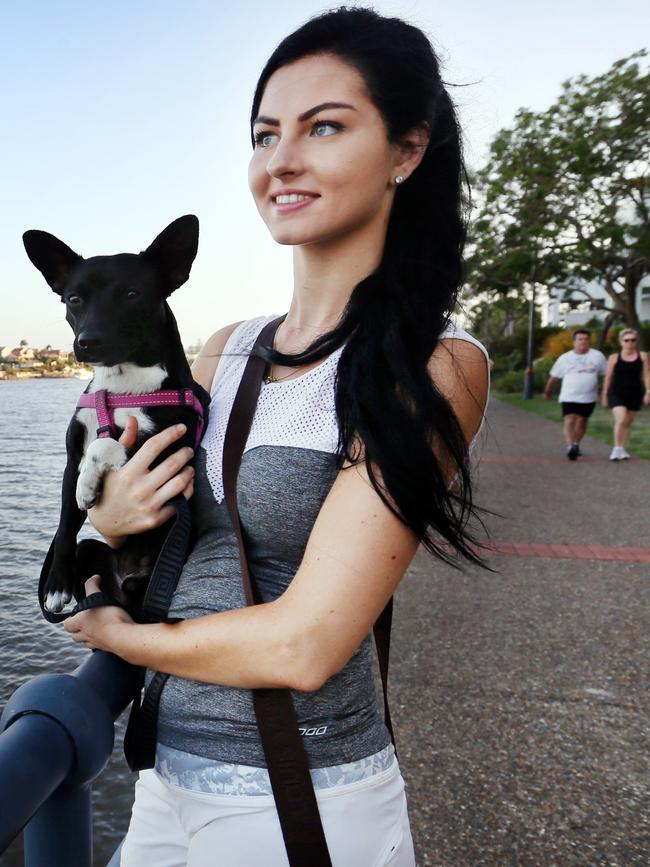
(239,336)
(206,362)
(453,331)
(459,367)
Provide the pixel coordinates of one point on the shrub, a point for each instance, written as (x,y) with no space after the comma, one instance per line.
(511,382)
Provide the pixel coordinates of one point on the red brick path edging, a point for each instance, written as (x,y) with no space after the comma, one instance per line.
(568,552)
(534,459)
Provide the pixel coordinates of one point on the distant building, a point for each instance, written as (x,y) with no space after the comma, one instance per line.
(49,354)
(578,309)
(22,353)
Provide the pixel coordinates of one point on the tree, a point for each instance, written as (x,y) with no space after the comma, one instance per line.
(565,196)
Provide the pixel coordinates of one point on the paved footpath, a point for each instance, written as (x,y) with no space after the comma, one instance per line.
(521,696)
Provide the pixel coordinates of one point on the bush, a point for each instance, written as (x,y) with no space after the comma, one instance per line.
(559,343)
(511,352)
(511,382)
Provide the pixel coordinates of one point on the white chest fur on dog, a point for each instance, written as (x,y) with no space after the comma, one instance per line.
(102,455)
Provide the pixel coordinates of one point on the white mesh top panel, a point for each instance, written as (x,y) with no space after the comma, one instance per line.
(298,412)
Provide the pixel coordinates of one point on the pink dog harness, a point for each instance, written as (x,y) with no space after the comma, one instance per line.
(105,403)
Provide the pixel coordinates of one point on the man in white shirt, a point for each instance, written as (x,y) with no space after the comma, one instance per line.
(579,369)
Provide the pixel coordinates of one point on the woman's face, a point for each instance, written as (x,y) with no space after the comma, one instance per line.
(323,167)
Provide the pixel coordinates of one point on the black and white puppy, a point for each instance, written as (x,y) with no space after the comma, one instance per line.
(123,326)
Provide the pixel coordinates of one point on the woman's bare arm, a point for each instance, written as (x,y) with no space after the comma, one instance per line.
(356,556)
(611,364)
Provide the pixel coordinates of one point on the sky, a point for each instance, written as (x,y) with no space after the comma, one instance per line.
(117,118)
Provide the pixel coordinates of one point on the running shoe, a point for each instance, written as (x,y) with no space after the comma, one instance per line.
(580,453)
(572,452)
(616,454)
(624,455)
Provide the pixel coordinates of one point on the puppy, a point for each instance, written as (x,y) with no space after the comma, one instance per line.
(117,308)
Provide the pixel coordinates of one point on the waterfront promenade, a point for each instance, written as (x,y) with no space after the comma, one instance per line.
(521,697)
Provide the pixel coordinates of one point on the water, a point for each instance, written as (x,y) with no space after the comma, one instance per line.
(34,415)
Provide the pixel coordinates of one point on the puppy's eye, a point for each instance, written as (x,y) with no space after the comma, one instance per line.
(73,300)
(132,294)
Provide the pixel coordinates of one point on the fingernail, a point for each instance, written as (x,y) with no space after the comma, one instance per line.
(180,428)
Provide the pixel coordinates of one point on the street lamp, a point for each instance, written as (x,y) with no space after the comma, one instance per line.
(529,377)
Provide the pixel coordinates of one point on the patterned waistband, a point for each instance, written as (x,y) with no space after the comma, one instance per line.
(199,774)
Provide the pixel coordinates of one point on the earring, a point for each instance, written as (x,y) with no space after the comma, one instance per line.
(399,179)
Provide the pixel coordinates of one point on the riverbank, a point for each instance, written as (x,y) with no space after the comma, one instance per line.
(21,375)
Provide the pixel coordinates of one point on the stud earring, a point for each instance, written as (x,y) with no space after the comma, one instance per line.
(399,179)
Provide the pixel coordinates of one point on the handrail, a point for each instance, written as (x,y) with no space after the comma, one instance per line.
(56,736)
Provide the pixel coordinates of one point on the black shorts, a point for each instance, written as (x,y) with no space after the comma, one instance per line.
(583,409)
(632,402)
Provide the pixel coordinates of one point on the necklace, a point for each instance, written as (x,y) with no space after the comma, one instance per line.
(269,378)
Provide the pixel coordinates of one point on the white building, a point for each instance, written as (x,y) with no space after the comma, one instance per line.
(579,309)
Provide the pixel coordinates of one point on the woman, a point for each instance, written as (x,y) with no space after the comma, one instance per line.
(369,406)
(626,389)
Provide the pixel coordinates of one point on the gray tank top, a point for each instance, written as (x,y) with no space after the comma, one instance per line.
(288,467)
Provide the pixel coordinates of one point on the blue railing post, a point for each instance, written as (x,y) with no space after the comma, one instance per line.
(57,735)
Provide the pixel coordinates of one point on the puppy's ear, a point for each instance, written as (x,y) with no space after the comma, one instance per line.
(52,257)
(174,250)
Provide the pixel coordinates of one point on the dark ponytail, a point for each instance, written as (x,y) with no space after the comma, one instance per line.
(395,316)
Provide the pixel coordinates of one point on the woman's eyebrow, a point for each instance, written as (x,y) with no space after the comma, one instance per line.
(271,121)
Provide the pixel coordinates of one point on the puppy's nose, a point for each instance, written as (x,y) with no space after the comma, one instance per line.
(89,342)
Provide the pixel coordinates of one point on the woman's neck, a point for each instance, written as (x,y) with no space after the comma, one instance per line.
(325,276)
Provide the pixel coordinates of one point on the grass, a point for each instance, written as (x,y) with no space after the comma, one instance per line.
(600,423)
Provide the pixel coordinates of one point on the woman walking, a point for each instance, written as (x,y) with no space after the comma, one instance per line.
(626,389)
(370,402)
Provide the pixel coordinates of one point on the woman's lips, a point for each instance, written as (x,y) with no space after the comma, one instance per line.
(296,202)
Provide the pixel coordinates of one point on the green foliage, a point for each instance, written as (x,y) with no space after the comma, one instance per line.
(565,194)
(512,351)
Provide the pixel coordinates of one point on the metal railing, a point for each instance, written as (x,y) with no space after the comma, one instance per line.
(57,733)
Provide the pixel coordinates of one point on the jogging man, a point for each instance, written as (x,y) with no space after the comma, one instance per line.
(579,370)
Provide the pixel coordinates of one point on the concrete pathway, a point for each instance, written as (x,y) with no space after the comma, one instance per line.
(521,696)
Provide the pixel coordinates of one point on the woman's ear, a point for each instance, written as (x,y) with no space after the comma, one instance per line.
(411,148)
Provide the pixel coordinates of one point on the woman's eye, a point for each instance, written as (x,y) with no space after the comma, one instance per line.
(323,128)
(264,139)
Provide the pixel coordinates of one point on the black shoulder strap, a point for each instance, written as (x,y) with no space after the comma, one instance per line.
(276,717)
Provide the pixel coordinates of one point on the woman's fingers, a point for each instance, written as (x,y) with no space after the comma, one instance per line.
(130,433)
(176,485)
(93,584)
(170,467)
(155,446)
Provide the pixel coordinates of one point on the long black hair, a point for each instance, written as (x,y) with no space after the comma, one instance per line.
(395,316)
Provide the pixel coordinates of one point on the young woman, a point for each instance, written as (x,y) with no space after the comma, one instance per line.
(370,404)
(626,389)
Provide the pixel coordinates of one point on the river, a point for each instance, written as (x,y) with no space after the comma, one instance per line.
(34,415)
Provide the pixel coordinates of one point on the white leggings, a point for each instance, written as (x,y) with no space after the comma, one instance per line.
(365,823)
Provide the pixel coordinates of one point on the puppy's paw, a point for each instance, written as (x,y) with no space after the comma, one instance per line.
(56,600)
(102,455)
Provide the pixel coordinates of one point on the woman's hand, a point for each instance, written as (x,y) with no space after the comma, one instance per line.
(134,497)
(646,398)
(98,628)
(604,401)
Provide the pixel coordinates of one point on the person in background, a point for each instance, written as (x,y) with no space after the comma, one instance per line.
(626,389)
(579,369)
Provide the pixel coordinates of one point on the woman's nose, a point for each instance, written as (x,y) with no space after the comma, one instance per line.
(286,159)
